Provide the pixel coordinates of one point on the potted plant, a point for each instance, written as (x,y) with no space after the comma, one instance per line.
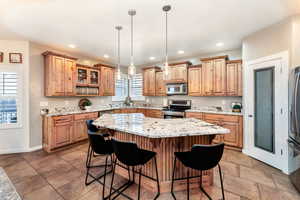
(236,108)
(87,105)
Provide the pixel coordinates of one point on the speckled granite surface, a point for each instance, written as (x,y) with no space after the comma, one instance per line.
(7,190)
(138,124)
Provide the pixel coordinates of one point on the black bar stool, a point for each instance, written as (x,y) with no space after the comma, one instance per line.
(130,155)
(201,157)
(100,144)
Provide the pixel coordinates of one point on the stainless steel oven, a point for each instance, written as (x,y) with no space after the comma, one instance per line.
(176,108)
(176,88)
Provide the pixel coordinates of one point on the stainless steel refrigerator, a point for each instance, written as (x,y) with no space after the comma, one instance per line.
(294,133)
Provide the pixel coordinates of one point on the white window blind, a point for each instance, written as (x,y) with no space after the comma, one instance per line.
(9,109)
(121,89)
(136,87)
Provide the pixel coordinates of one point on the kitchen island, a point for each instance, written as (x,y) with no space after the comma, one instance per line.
(163,136)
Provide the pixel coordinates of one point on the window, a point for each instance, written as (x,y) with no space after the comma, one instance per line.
(136,87)
(9,109)
(121,89)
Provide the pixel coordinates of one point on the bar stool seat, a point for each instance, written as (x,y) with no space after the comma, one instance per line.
(130,155)
(201,158)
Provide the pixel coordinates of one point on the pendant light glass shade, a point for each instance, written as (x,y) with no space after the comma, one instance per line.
(131,67)
(118,74)
(166,9)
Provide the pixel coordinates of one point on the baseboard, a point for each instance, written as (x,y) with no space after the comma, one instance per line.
(20,150)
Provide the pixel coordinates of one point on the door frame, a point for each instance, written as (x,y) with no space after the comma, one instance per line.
(283,101)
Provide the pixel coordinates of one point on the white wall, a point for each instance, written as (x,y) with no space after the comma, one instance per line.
(17,139)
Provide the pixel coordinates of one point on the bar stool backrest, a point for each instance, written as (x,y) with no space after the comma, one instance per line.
(204,157)
(98,144)
(126,152)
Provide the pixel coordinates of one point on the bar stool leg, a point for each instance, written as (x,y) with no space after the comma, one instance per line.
(88,163)
(221,179)
(173,177)
(139,190)
(188,184)
(112,178)
(157,179)
(103,190)
(88,155)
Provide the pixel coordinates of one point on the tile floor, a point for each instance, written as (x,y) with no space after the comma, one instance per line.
(60,176)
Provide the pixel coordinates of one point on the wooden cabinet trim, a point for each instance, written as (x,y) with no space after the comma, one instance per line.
(51,53)
(214,58)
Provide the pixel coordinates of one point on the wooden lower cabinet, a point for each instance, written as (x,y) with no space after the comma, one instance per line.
(233,140)
(154,113)
(59,131)
(147,112)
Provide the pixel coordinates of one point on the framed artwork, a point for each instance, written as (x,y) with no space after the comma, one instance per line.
(1,57)
(15,57)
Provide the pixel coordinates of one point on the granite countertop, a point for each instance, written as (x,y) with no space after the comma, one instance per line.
(99,109)
(215,112)
(138,124)
(7,190)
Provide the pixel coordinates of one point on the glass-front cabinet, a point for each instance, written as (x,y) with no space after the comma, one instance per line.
(88,81)
(94,77)
(82,76)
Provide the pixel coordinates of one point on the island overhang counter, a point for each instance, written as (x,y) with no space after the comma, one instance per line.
(163,136)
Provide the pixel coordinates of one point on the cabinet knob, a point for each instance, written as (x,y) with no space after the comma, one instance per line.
(250,115)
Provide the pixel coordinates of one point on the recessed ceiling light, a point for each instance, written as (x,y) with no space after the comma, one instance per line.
(73,46)
(219,44)
(180,52)
(106,56)
(151,58)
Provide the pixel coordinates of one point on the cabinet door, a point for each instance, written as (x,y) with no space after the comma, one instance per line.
(154,113)
(207,78)
(80,130)
(231,139)
(240,79)
(149,82)
(194,81)
(70,66)
(57,70)
(94,77)
(107,81)
(232,79)
(160,84)
(219,88)
(62,134)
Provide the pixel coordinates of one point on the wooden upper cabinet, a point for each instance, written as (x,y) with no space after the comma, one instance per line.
(59,74)
(160,85)
(219,87)
(195,80)
(178,72)
(234,78)
(207,78)
(107,80)
(214,76)
(70,67)
(149,81)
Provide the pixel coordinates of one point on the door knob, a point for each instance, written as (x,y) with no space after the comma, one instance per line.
(250,115)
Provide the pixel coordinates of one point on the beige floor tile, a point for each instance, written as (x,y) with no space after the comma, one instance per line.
(30,184)
(241,187)
(216,193)
(75,189)
(229,168)
(283,183)
(61,177)
(11,159)
(16,174)
(44,193)
(238,158)
(256,176)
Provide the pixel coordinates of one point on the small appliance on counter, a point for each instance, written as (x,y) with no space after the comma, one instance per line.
(236,107)
(176,108)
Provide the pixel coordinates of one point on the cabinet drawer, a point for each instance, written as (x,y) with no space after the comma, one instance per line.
(85,116)
(226,118)
(62,119)
(194,115)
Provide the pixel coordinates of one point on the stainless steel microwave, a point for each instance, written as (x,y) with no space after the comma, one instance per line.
(176,89)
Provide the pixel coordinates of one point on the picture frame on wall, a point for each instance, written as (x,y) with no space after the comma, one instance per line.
(1,57)
(15,57)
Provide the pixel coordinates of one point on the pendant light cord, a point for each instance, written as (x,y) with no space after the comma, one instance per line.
(166,37)
(119,49)
(131,39)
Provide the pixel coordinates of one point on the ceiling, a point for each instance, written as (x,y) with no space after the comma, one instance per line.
(194,26)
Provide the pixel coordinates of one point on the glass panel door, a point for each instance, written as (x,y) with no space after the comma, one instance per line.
(94,77)
(264,109)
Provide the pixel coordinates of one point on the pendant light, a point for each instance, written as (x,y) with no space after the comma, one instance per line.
(166,9)
(131,68)
(118,74)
